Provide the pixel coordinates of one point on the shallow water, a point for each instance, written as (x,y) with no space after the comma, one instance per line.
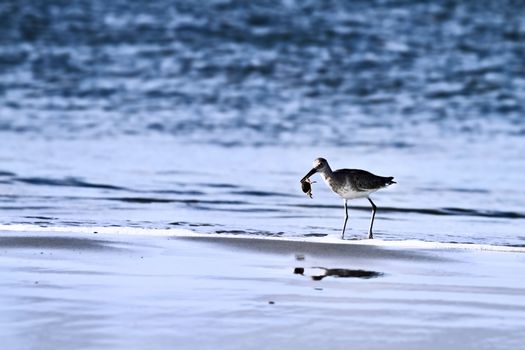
(206,115)
(160,183)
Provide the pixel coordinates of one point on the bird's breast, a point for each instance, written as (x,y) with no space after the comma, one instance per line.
(345,189)
(351,193)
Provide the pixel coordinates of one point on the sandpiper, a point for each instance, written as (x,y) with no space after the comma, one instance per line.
(350,184)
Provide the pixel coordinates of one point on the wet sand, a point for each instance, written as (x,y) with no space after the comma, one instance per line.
(132,288)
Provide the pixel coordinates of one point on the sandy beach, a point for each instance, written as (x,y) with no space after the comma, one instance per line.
(179,289)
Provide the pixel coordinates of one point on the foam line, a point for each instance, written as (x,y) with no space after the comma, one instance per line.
(112,230)
(184,233)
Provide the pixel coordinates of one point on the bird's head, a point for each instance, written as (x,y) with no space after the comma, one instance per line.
(319,165)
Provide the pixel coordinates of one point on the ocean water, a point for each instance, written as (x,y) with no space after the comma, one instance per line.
(205,115)
(150,158)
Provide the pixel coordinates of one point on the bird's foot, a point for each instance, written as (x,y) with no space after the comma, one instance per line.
(370,235)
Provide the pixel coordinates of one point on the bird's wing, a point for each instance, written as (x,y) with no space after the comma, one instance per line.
(365,181)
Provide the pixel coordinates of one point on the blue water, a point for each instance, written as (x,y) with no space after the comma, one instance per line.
(205,115)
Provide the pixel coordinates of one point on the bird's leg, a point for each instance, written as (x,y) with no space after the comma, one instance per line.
(370,234)
(346,219)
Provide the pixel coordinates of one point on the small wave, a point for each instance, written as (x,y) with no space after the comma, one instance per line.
(192,224)
(66,182)
(141,200)
(251,233)
(187,193)
(263,194)
(218,185)
(315,235)
(25,207)
(147,200)
(438,211)
(460,190)
(232,232)
(239,210)
(6,173)
(39,217)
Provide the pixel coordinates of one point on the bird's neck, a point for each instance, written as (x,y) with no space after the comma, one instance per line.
(326,173)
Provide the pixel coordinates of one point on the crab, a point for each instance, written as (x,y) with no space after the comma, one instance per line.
(306,186)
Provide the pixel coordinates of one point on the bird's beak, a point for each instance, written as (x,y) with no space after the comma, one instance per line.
(310,173)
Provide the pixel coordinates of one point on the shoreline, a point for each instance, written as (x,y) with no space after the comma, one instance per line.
(85,290)
(189,234)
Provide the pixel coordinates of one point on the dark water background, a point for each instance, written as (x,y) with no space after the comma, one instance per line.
(205,115)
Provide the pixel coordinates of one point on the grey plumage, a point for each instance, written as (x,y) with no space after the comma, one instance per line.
(362,180)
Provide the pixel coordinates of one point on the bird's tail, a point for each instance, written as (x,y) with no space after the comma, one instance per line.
(390,181)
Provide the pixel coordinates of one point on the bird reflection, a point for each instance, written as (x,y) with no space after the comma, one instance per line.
(344,273)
